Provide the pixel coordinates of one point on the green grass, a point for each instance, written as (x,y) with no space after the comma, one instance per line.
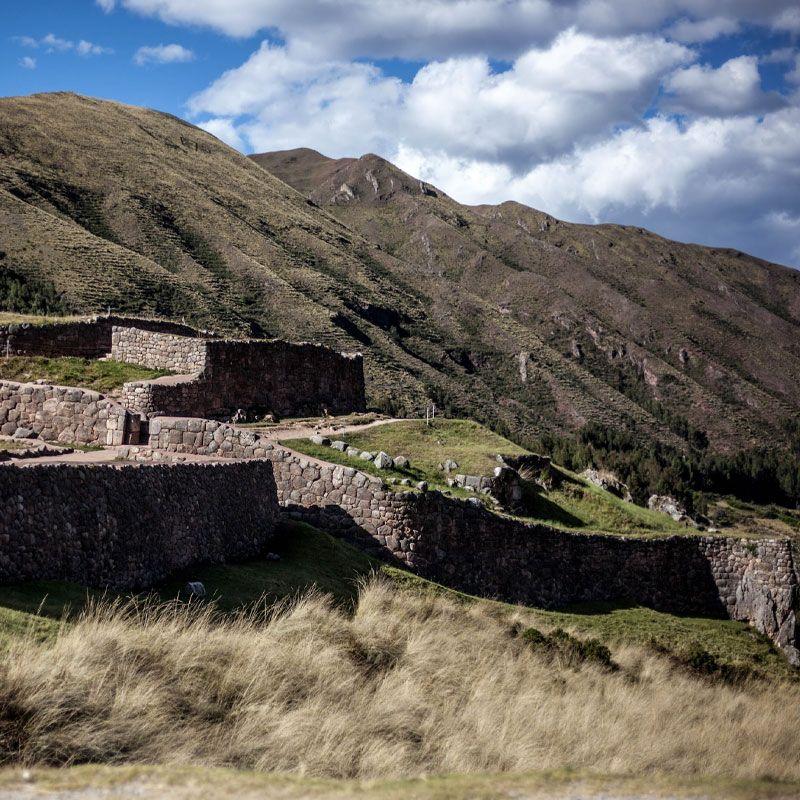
(10,318)
(471,445)
(733,644)
(575,505)
(102,376)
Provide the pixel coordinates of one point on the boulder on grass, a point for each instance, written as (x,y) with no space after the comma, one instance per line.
(383,461)
(338,445)
(401,462)
(321,440)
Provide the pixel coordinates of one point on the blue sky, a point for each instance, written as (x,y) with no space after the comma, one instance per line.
(679,115)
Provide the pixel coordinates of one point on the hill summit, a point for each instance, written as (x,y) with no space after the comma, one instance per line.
(500,313)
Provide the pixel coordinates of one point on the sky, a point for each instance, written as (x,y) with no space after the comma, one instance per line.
(681,116)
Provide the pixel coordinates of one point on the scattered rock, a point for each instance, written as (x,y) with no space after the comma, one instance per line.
(272,557)
(608,481)
(383,461)
(195,589)
(422,486)
(339,445)
(365,455)
(401,462)
(23,433)
(668,505)
(321,440)
(405,482)
(353,452)
(449,465)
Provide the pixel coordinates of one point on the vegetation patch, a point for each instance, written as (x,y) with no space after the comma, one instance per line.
(102,376)
(566,649)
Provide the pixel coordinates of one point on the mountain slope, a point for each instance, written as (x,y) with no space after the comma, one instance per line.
(502,314)
(708,335)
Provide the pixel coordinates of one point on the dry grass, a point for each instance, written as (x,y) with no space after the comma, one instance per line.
(407,685)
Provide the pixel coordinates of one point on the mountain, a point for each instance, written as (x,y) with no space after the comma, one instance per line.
(501,313)
(690,333)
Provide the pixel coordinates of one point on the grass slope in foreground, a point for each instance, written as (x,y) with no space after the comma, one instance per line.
(404,683)
(101,376)
(574,505)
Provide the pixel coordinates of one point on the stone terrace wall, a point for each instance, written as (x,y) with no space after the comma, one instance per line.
(467,547)
(64,414)
(157,350)
(131,526)
(90,338)
(271,376)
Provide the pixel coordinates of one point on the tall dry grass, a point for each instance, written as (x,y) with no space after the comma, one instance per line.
(407,685)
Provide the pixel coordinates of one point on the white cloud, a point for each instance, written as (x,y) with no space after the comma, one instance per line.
(703,30)
(782,55)
(443,28)
(793,76)
(163,54)
(26,62)
(107,5)
(224,129)
(733,88)
(55,44)
(580,87)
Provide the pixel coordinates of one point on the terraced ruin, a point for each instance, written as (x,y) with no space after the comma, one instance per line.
(174,482)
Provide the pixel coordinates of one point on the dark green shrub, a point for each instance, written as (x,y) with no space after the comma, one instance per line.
(562,646)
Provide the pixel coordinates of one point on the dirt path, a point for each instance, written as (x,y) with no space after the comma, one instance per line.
(323,427)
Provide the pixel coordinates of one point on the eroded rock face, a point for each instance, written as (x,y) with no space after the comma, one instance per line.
(668,505)
(608,481)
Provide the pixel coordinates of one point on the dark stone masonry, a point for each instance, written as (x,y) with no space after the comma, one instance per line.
(87,338)
(65,414)
(223,376)
(130,526)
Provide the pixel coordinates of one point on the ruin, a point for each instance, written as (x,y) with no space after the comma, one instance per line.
(129,525)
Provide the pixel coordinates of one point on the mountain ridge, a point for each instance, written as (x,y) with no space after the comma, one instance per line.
(501,313)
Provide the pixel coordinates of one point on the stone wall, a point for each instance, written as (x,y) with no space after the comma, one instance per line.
(64,414)
(463,545)
(131,526)
(179,354)
(87,338)
(280,377)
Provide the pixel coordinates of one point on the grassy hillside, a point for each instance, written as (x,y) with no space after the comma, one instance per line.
(574,504)
(503,315)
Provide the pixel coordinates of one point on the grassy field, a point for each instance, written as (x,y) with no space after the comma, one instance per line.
(308,558)
(403,684)
(102,376)
(574,505)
